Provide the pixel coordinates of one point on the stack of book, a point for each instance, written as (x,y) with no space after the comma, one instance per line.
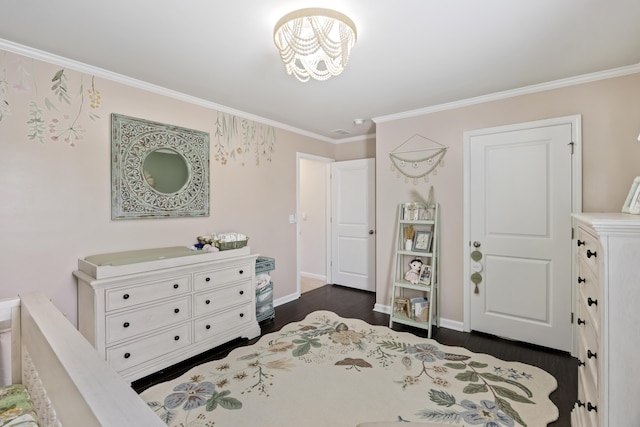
(414,308)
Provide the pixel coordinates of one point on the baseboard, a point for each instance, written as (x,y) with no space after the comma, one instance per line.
(314,276)
(444,323)
(285,299)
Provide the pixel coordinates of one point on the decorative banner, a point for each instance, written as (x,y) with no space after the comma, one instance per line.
(417,157)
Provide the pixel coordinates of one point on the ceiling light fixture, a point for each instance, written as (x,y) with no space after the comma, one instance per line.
(314,42)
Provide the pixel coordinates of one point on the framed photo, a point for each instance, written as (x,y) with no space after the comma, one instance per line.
(425,275)
(632,202)
(422,241)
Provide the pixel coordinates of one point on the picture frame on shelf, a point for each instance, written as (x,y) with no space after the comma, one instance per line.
(632,202)
(422,241)
(425,275)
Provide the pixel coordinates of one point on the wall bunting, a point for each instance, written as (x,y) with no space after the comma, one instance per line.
(417,157)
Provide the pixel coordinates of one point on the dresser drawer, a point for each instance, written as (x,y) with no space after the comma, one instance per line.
(588,249)
(588,355)
(588,309)
(587,398)
(151,291)
(134,322)
(216,299)
(209,327)
(222,276)
(127,355)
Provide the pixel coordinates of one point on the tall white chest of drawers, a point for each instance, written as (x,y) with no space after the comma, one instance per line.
(608,315)
(148,310)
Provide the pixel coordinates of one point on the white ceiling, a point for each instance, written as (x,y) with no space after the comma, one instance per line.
(410,54)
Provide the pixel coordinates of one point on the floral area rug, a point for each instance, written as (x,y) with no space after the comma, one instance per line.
(330,371)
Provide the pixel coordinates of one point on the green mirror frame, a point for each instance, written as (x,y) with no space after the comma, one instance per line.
(135,146)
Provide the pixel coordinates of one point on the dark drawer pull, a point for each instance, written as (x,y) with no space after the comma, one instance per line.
(590,407)
(176,286)
(208,327)
(127,355)
(590,354)
(207,279)
(241,292)
(581,322)
(125,324)
(581,279)
(580,242)
(208,301)
(176,311)
(580,403)
(590,254)
(592,301)
(241,271)
(177,337)
(125,296)
(580,363)
(241,314)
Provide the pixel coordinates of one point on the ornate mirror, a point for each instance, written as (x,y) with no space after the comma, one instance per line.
(157,170)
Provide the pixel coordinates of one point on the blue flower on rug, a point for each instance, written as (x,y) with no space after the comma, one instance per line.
(426,352)
(487,413)
(193,395)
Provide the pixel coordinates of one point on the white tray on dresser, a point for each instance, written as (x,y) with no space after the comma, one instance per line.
(146,310)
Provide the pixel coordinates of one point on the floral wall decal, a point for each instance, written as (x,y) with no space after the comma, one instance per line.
(55,117)
(237,139)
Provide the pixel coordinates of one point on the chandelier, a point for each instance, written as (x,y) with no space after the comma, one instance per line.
(314,42)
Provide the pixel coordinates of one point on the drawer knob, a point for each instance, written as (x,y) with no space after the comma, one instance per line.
(580,363)
(176,311)
(241,271)
(241,292)
(176,286)
(590,254)
(592,301)
(127,355)
(580,242)
(241,314)
(579,402)
(207,327)
(208,301)
(125,296)
(581,322)
(581,279)
(590,407)
(590,354)
(207,279)
(125,324)
(177,337)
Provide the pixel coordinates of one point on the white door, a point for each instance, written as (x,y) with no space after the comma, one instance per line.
(352,224)
(519,208)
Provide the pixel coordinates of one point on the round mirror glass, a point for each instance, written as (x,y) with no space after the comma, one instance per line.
(165,170)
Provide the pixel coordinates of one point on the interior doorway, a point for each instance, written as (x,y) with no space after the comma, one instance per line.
(313,186)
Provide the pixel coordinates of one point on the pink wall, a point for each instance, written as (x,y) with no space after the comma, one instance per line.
(56,195)
(610,112)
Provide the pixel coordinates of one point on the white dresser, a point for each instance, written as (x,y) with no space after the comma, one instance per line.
(608,301)
(147,310)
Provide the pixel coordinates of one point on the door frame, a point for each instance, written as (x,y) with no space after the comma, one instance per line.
(576,199)
(327,161)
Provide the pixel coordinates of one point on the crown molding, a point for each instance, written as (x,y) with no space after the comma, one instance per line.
(61,61)
(556,84)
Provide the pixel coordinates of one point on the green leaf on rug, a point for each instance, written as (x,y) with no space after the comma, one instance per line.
(438,415)
(510,394)
(456,357)
(470,376)
(508,409)
(222,400)
(475,388)
(392,345)
(442,398)
(456,365)
(478,365)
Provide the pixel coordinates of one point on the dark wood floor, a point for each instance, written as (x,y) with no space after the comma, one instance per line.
(353,303)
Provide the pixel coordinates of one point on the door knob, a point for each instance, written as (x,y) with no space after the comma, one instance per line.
(476,244)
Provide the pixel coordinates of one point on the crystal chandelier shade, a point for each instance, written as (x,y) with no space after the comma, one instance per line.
(314,42)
